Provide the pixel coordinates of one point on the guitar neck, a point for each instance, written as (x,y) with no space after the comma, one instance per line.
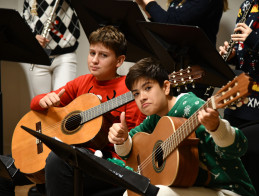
(183,131)
(106,107)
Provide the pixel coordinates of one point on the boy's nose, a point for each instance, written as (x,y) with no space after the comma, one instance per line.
(143,96)
(95,58)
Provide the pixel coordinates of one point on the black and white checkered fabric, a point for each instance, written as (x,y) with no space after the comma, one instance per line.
(64,30)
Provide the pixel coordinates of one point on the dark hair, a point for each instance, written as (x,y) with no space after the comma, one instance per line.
(149,68)
(111,38)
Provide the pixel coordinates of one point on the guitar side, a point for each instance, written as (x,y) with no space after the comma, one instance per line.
(180,168)
(30,158)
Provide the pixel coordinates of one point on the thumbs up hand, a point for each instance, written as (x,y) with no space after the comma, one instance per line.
(51,99)
(118,132)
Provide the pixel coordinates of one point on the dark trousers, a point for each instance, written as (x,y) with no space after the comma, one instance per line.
(60,180)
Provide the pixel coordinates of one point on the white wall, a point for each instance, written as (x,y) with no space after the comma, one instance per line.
(15,89)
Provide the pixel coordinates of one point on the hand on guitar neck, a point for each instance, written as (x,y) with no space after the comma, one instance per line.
(209,118)
(118,132)
(51,99)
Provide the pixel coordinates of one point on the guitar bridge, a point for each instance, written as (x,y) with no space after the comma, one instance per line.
(139,165)
(38,141)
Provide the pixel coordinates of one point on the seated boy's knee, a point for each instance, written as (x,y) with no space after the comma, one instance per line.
(53,161)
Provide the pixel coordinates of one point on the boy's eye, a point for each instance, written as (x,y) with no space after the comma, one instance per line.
(92,53)
(104,55)
(135,94)
(148,88)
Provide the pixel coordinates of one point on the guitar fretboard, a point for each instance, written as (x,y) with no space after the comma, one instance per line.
(171,143)
(106,107)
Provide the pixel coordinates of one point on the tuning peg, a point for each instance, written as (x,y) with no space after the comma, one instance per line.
(193,85)
(239,104)
(185,87)
(246,100)
(232,108)
(178,89)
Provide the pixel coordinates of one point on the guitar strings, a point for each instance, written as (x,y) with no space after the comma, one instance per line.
(174,138)
(171,143)
(90,113)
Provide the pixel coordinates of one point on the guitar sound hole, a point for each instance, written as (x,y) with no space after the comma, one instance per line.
(159,157)
(73,122)
(158,160)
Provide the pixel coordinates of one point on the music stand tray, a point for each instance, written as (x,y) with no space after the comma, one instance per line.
(97,167)
(122,14)
(179,46)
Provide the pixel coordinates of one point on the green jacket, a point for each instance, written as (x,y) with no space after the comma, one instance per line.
(223,163)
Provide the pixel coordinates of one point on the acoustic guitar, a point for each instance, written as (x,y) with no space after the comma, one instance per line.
(169,156)
(80,123)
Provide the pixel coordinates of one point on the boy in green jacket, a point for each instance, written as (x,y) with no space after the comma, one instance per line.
(220,147)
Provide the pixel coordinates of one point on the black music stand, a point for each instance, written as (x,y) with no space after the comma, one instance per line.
(17,43)
(178,46)
(97,167)
(122,14)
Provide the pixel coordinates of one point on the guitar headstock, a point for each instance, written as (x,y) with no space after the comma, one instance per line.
(186,76)
(233,92)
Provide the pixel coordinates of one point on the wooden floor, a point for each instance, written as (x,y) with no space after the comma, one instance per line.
(22,190)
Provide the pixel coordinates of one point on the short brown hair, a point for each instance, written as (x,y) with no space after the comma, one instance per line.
(149,68)
(111,38)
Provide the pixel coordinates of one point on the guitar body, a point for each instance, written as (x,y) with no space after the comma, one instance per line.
(30,154)
(180,168)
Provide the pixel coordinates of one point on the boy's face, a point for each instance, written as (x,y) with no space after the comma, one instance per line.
(150,97)
(102,62)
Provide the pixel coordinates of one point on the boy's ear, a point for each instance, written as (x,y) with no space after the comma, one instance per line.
(167,86)
(120,60)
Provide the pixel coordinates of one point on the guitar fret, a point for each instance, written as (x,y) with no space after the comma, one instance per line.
(106,107)
(183,131)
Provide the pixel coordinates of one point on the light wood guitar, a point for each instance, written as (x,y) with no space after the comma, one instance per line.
(169,156)
(82,123)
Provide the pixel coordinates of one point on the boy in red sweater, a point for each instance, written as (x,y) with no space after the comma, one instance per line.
(106,54)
